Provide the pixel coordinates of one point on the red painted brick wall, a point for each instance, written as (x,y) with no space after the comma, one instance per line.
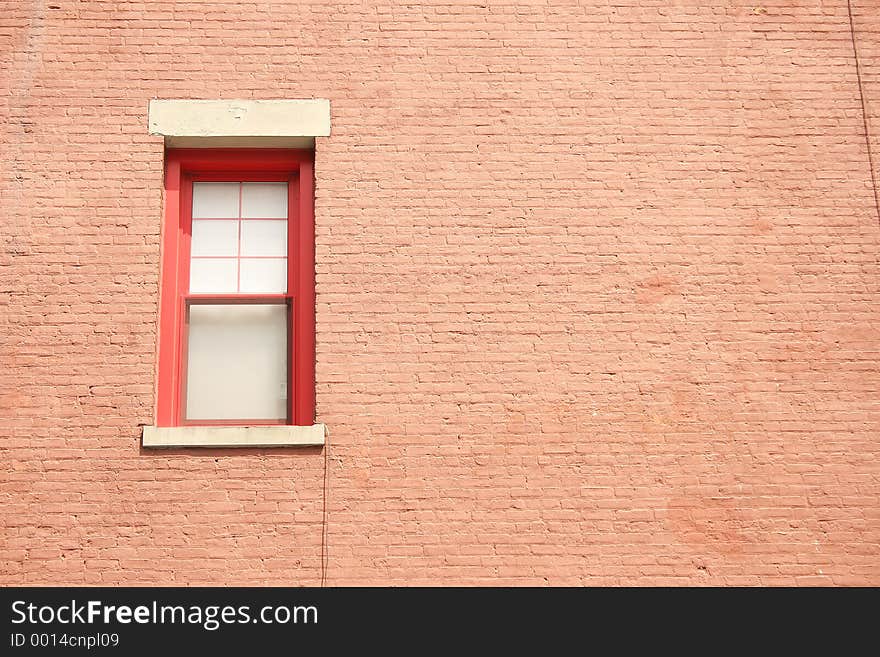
(598,295)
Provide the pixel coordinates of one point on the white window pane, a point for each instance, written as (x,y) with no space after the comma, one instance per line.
(214,238)
(237,362)
(264,275)
(215,200)
(264,200)
(264,238)
(213,276)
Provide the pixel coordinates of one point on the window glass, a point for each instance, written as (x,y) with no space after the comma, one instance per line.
(213,276)
(232,255)
(215,200)
(264,200)
(263,276)
(212,238)
(264,238)
(236,366)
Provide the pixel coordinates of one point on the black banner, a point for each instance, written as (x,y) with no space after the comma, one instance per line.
(125,621)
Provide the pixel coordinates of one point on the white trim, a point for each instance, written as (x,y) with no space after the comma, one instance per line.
(240,142)
(268,436)
(240,118)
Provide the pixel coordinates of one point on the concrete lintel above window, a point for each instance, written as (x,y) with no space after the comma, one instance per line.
(259,436)
(240,142)
(240,123)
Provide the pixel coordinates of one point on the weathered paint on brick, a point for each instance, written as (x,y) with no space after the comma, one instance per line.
(598,295)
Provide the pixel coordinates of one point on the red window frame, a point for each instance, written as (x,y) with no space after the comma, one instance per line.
(182,167)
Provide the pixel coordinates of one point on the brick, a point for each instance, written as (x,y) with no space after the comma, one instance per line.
(597,296)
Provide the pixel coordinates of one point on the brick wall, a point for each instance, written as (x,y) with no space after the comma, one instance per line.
(598,295)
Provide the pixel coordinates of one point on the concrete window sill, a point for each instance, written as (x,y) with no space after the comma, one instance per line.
(268,436)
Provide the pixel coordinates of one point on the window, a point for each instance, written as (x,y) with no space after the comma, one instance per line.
(236,324)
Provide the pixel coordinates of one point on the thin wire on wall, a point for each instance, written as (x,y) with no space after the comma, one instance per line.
(852,34)
(324,512)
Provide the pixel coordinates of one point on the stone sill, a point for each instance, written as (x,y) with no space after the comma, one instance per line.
(263,436)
